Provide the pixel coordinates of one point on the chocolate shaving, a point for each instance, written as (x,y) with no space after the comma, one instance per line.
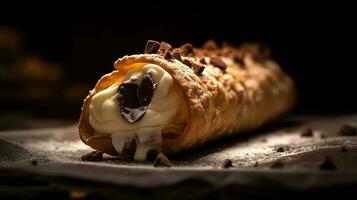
(327,164)
(306,131)
(217,62)
(94,156)
(187,62)
(162,161)
(256,164)
(186,49)
(210,45)
(198,69)
(152,46)
(168,56)
(203,61)
(258,51)
(146,90)
(164,47)
(176,55)
(347,130)
(280,149)
(227,163)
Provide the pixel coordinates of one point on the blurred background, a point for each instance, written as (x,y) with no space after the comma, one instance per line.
(51,57)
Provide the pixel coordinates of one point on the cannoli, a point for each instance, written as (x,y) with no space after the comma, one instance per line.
(172,99)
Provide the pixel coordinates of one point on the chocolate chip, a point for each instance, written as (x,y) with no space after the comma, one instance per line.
(127,95)
(151,155)
(186,49)
(168,56)
(187,62)
(256,164)
(146,90)
(132,115)
(134,98)
(280,149)
(227,163)
(343,149)
(210,45)
(164,47)
(176,55)
(347,130)
(162,161)
(152,46)
(198,69)
(239,61)
(217,62)
(203,61)
(306,131)
(93,156)
(34,162)
(277,165)
(327,164)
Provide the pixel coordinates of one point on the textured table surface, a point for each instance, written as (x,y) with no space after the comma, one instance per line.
(51,158)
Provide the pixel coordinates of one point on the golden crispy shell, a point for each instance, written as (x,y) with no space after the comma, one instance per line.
(221,101)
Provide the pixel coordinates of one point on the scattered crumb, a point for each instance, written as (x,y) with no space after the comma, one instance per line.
(347,130)
(327,164)
(227,163)
(162,161)
(306,131)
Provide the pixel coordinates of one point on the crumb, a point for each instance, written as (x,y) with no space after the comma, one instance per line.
(227,163)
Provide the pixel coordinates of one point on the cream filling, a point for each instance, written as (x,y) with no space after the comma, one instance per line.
(105,115)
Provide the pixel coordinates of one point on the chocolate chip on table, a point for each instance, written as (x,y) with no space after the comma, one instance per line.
(146,90)
(162,161)
(227,163)
(347,130)
(152,46)
(217,62)
(277,165)
(327,164)
(344,149)
(280,149)
(306,131)
(93,156)
(187,62)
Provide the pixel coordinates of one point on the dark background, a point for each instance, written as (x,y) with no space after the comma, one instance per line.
(315,44)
